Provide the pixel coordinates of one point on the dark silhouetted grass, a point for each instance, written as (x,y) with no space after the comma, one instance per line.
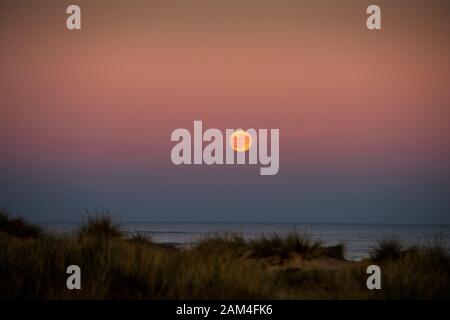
(418,273)
(336,252)
(284,246)
(141,239)
(115,266)
(221,242)
(18,227)
(387,249)
(100,225)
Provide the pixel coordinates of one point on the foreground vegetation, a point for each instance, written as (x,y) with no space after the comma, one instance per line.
(116,266)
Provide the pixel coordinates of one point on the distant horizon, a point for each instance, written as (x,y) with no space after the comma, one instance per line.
(118,221)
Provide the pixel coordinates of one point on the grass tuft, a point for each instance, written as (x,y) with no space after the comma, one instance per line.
(100,225)
(18,227)
(284,246)
(141,239)
(223,242)
(387,250)
(336,252)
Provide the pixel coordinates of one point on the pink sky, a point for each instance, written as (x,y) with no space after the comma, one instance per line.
(342,96)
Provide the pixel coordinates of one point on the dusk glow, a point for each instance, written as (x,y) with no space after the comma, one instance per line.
(86,116)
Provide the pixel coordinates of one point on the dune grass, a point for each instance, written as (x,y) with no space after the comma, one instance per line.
(284,246)
(387,249)
(18,227)
(117,266)
(416,272)
(99,224)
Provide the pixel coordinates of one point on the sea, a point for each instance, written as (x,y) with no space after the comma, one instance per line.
(359,239)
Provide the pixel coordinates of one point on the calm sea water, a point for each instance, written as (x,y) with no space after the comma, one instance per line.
(358,238)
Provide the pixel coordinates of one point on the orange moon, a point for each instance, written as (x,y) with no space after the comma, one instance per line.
(240,140)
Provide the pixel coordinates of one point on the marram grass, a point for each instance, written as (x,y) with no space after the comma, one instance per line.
(116,266)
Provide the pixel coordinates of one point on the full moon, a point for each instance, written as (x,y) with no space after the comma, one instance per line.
(240,140)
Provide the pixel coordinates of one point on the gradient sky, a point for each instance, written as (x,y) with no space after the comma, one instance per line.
(364,116)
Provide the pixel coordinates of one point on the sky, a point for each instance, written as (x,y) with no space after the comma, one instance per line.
(364,116)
